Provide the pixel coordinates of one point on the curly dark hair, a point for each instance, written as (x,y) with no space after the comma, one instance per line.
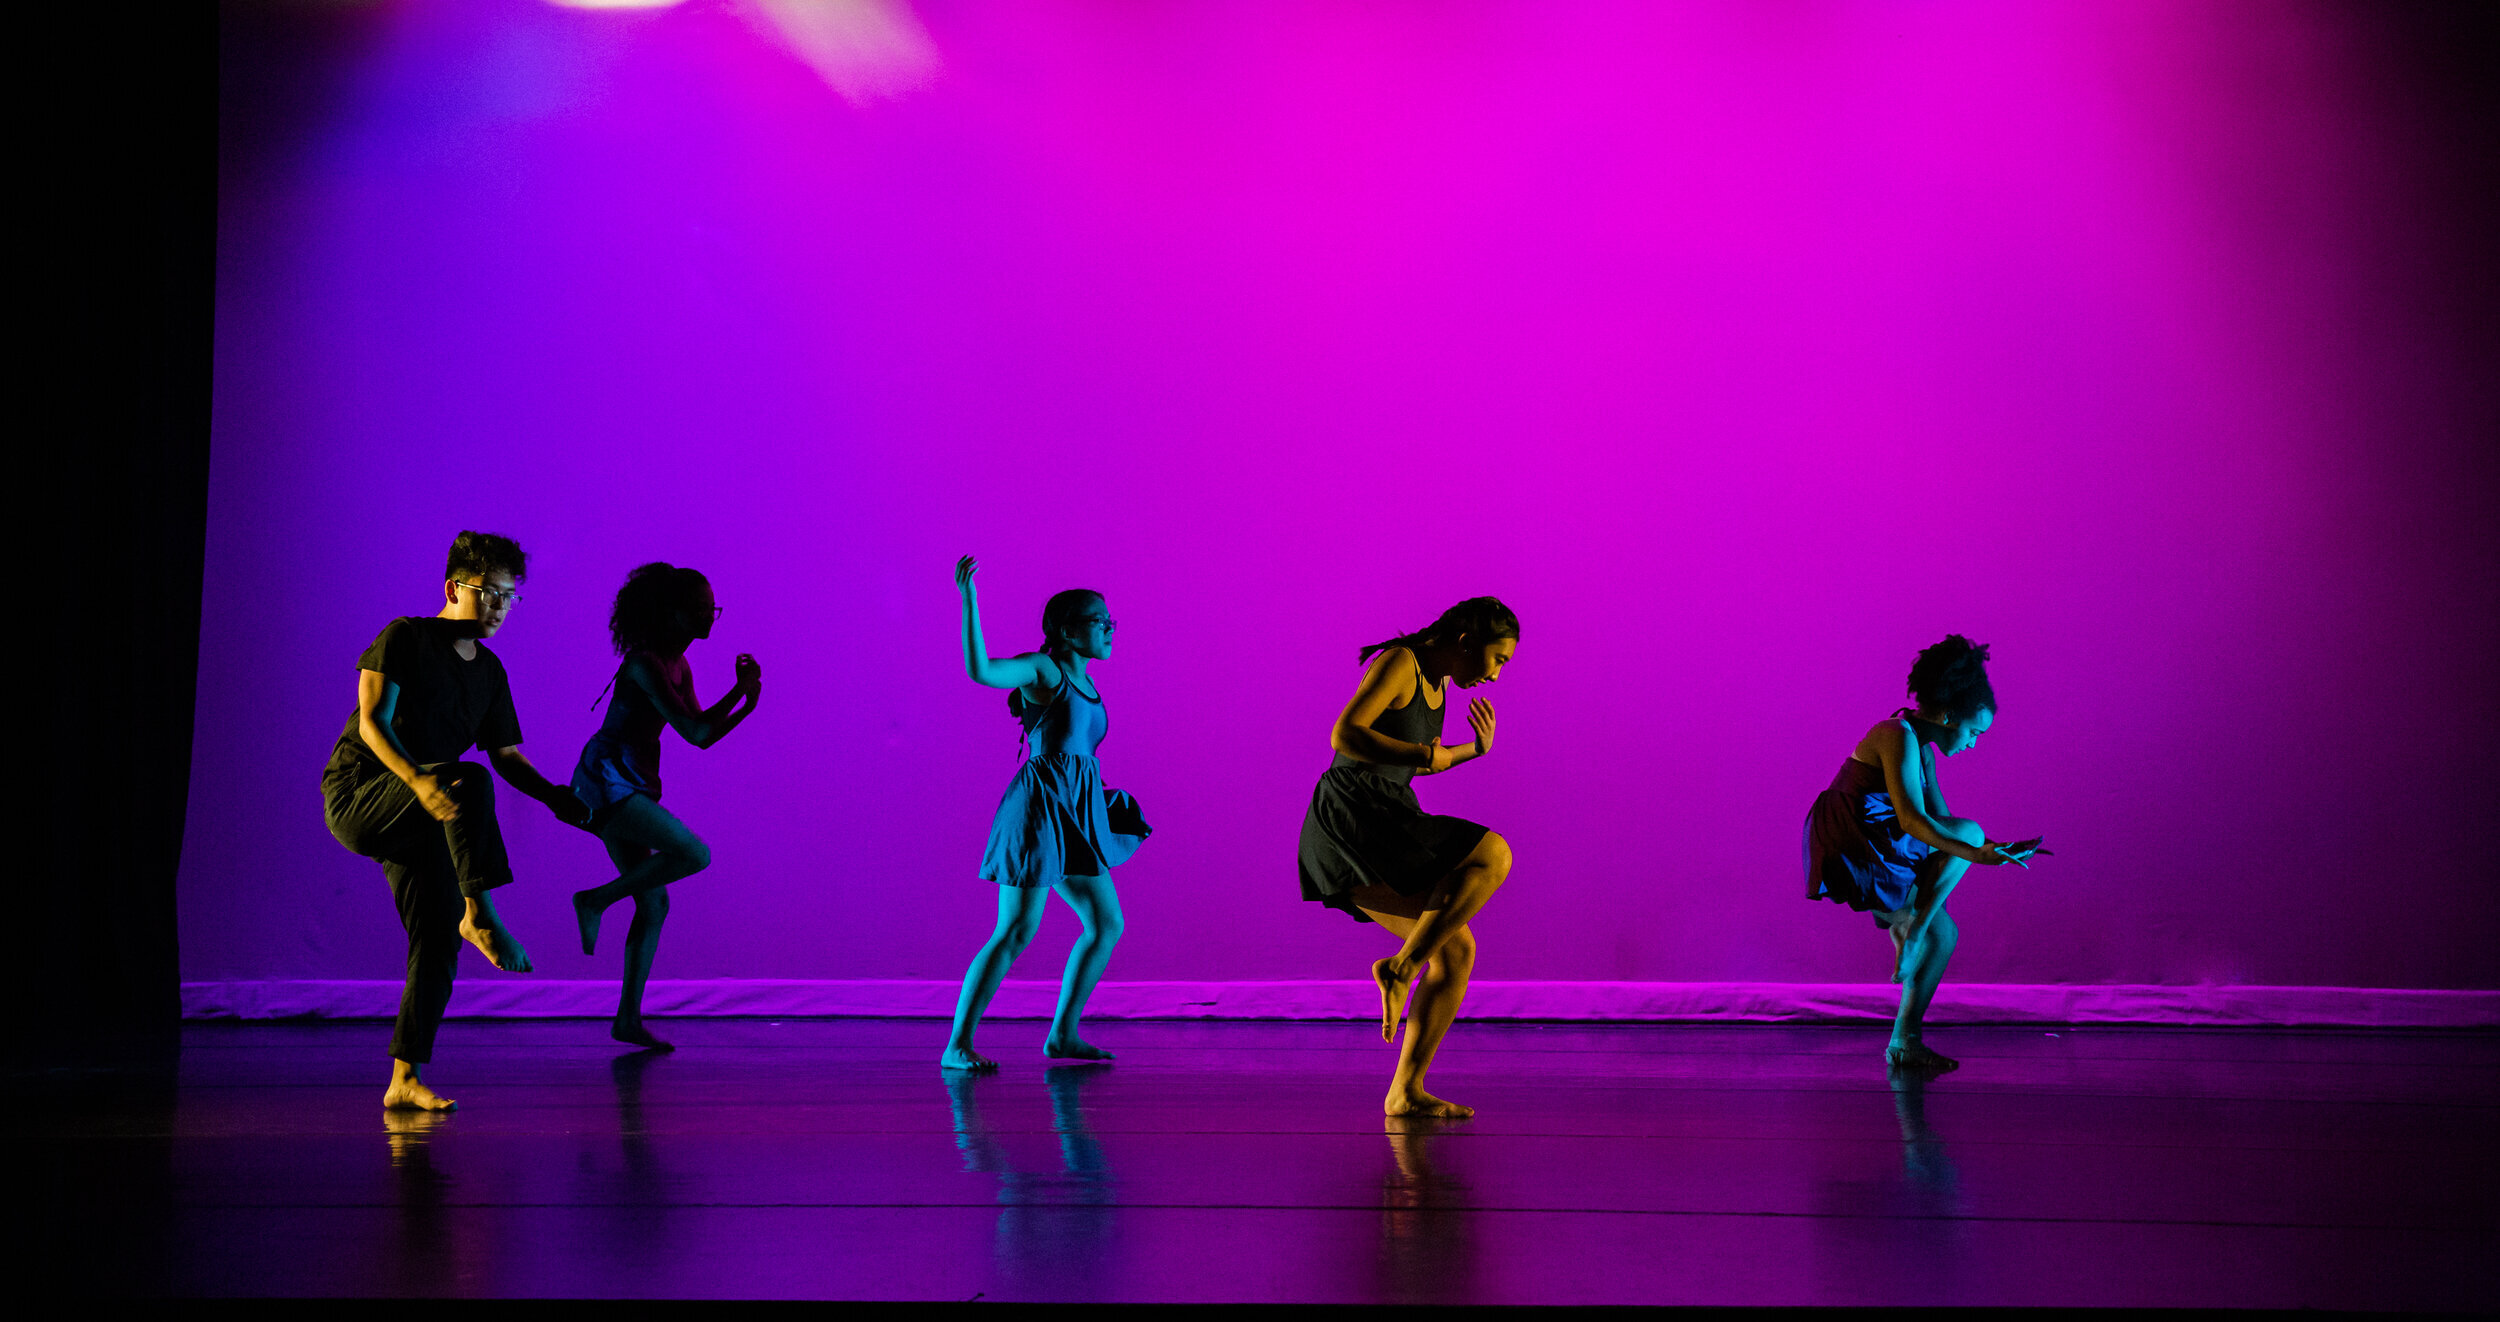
(1481,618)
(484,553)
(654,610)
(1952,677)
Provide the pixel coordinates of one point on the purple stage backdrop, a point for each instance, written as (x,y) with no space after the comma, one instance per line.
(1743,349)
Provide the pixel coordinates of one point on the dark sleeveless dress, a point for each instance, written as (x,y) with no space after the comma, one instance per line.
(1056,819)
(623,758)
(1364,827)
(1855,850)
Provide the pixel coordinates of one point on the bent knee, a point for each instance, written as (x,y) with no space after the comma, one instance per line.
(465,782)
(692,854)
(1962,829)
(1494,852)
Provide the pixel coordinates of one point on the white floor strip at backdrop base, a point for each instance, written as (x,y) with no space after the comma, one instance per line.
(494,996)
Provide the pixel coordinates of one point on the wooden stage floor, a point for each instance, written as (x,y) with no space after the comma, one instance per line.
(1248,1162)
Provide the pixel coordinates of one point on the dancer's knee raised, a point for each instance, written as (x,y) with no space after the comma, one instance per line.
(691,853)
(467,783)
(1962,829)
(1493,854)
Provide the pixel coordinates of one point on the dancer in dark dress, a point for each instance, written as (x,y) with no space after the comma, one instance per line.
(1881,839)
(396,791)
(1057,828)
(1369,851)
(659,612)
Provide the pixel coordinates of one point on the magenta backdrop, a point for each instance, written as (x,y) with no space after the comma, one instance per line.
(1744,349)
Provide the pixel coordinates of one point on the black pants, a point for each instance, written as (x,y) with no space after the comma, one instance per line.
(432,866)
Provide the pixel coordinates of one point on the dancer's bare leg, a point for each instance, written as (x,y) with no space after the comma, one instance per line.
(642,945)
(482,927)
(1927,940)
(1448,909)
(1438,995)
(409,1093)
(1019,918)
(1097,906)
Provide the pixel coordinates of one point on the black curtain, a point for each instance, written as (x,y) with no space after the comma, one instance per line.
(116,268)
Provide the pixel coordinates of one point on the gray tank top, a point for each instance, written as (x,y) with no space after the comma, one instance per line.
(1414,723)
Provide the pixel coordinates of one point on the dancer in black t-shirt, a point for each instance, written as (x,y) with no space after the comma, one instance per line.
(427,691)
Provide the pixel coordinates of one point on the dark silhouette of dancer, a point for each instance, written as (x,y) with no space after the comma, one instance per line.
(1368,849)
(1057,828)
(659,612)
(427,691)
(1882,839)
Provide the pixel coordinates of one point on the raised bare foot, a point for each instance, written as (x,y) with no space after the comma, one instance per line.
(501,948)
(413,1095)
(1392,999)
(1918,1056)
(586,916)
(1417,1102)
(965,1058)
(1897,947)
(1073,1047)
(635,1034)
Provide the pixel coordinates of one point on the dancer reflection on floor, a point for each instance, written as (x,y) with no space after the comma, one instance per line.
(1369,850)
(660,611)
(1881,838)
(1057,828)
(395,791)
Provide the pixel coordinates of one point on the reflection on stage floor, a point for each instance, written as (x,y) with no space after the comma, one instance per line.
(1249,1162)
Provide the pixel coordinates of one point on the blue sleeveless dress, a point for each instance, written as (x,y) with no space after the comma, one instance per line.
(1056,819)
(1856,852)
(1364,827)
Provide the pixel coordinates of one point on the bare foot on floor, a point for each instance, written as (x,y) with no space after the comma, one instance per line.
(587,918)
(500,947)
(1417,1102)
(1074,1048)
(1918,1056)
(1392,1000)
(965,1058)
(637,1035)
(413,1095)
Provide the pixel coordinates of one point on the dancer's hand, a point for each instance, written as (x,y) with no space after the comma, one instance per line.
(964,570)
(1480,718)
(1995,853)
(435,796)
(568,809)
(750,675)
(2021,851)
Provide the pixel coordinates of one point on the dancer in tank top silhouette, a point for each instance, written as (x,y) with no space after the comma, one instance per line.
(1881,838)
(1370,851)
(1057,828)
(660,611)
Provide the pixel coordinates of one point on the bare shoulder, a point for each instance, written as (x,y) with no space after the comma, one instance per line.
(1884,741)
(1393,673)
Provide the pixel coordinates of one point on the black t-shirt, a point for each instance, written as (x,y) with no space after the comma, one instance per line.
(446,706)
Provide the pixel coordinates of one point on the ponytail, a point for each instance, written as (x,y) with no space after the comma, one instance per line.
(1483,619)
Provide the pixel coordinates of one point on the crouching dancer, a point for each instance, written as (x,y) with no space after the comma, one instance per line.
(395,791)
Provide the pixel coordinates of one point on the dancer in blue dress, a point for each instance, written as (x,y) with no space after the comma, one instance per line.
(1880,838)
(660,611)
(1057,828)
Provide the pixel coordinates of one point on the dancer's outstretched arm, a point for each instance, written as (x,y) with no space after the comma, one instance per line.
(521,774)
(1029,670)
